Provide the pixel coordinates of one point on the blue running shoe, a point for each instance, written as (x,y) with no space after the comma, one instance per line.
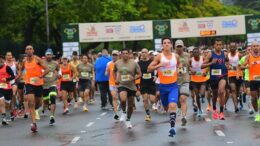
(172,132)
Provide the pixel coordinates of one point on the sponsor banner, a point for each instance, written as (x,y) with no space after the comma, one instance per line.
(210,26)
(161,28)
(70,33)
(69,47)
(115,31)
(252,24)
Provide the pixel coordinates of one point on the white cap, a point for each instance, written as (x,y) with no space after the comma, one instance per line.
(155,53)
(115,52)
(151,51)
(179,43)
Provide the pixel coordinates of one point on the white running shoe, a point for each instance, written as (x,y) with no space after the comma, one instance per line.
(128,124)
(122,117)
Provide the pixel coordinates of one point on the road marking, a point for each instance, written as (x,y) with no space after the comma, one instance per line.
(83,131)
(98,118)
(230,142)
(90,124)
(219,133)
(75,139)
(207,119)
(104,113)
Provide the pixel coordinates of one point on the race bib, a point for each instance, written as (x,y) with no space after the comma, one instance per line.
(168,73)
(66,77)
(147,76)
(257,77)
(216,72)
(33,80)
(184,70)
(3,85)
(125,78)
(49,75)
(84,74)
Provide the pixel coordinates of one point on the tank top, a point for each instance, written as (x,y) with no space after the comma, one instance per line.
(168,73)
(196,65)
(66,73)
(33,72)
(219,69)
(254,68)
(4,74)
(111,66)
(234,61)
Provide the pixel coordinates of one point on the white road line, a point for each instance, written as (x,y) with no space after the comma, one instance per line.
(104,113)
(98,118)
(230,142)
(219,133)
(89,124)
(207,119)
(83,131)
(75,139)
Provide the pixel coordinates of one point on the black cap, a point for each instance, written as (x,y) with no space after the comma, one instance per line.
(75,53)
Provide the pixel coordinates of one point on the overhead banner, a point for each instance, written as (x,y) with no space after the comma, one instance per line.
(211,26)
(252,24)
(115,31)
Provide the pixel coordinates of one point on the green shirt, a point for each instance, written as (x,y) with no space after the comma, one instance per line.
(246,72)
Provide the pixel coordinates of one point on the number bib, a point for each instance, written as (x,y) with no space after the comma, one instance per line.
(125,78)
(216,72)
(33,80)
(49,75)
(66,77)
(168,73)
(257,78)
(85,74)
(147,76)
(3,85)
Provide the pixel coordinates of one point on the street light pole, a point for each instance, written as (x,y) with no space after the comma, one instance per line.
(47,23)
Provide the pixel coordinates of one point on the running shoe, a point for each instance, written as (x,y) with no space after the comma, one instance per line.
(76,105)
(52,121)
(222,116)
(236,110)
(37,116)
(215,114)
(128,124)
(66,111)
(148,118)
(209,108)
(199,115)
(202,99)
(251,112)
(116,117)
(26,115)
(172,132)
(257,118)
(137,98)
(154,107)
(34,127)
(183,121)
(122,117)
(12,116)
(43,114)
(85,109)
(4,122)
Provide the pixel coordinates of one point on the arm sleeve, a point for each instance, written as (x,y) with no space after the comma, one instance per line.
(11,73)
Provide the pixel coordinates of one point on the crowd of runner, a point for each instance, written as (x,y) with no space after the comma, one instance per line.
(163,80)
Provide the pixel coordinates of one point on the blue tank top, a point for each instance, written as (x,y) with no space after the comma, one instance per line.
(219,69)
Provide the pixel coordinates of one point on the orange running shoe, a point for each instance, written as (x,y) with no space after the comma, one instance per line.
(222,116)
(209,108)
(215,114)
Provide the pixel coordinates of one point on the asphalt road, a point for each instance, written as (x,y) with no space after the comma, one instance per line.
(98,128)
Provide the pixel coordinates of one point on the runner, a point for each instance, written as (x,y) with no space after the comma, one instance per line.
(67,74)
(112,83)
(6,76)
(234,73)
(33,82)
(126,71)
(253,63)
(183,79)
(198,78)
(50,85)
(74,63)
(217,61)
(166,63)
(86,74)
(12,64)
(147,85)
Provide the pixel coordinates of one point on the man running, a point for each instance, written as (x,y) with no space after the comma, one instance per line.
(183,79)
(216,60)
(50,84)
(253,63)
(35,71)
(112,82)
(147,85)
(126,71)
(6,76)
(86,74)
(167,63)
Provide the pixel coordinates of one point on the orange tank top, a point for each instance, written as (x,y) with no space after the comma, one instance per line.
(66,73)
(111,66)
(196,65)
(33,72)
(168,73)
(254,68)
(233,61)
